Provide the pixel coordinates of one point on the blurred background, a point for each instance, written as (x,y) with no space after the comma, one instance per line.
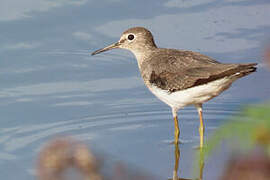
(51,86)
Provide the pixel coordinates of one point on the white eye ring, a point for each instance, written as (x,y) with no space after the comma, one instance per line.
(130,37)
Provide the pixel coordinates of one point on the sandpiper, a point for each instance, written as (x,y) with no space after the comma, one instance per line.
(179,77)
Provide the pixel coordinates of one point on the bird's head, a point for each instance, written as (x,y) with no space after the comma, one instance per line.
(135,39)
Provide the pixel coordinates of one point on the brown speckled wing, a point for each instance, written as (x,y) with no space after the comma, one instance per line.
(184,69)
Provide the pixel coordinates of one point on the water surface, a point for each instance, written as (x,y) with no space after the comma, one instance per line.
(50,85)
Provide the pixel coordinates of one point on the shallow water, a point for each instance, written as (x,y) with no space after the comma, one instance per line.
(50,85)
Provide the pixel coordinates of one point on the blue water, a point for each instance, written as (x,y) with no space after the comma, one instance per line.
(50,85)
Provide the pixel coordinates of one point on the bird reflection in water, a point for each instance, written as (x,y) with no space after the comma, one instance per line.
(177,156)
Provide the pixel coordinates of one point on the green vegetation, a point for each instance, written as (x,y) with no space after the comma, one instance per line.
(248,129)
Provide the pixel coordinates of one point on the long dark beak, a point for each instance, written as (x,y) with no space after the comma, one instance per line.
(113,46)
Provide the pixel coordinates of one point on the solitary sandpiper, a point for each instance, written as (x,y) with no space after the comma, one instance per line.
(178,77)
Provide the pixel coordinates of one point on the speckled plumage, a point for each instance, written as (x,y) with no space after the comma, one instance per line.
(176,70)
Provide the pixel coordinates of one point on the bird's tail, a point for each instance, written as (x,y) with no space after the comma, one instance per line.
(245,69)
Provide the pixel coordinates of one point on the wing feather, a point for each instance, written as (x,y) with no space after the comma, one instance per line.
(178,70)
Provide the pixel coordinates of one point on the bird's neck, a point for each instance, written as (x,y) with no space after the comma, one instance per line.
(142,54)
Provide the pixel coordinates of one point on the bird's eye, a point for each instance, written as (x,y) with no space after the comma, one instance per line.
(130,37)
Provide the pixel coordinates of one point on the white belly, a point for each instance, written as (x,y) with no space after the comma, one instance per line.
(194,95)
